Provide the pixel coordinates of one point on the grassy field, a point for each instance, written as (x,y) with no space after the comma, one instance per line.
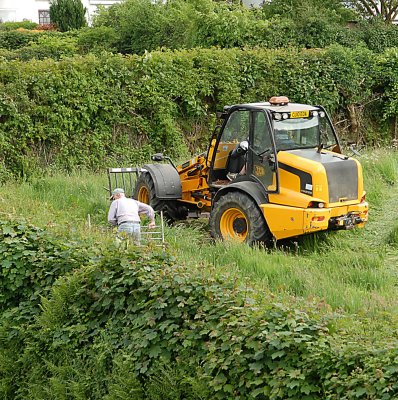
(350,271)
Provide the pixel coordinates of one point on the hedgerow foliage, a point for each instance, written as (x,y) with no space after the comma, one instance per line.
(95,110)
(136,26)
(144,25)
(135,323)
(11,26)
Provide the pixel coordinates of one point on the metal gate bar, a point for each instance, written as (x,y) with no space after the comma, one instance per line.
(117,177)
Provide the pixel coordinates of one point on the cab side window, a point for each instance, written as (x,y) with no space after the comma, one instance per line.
(237,127)
(261,137)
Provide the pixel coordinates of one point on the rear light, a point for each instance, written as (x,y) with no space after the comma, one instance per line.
(318,218)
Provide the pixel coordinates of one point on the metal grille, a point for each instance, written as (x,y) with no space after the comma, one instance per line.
(342,180)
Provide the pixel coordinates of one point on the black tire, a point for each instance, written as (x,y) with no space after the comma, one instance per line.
(236,216)
(145,192)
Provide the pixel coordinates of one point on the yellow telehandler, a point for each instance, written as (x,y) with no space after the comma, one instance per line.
(273,170)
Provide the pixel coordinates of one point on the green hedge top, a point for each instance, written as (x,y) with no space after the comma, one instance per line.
(86,111)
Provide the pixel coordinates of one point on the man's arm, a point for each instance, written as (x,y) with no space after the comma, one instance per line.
(148,210)
(112,217)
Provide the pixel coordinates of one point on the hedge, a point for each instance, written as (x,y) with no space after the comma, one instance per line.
(186,24)
(92,111)
(135,322)
(25,25)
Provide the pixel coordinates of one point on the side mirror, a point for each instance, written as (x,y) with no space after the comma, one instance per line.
(157,157)
(221,115)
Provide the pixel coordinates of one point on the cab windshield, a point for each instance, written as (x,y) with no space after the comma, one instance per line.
(303,133)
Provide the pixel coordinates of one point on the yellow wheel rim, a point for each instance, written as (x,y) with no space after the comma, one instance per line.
(233,225)
(143,195)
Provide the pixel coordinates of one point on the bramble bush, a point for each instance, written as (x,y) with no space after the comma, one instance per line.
(133,322)
(30,262)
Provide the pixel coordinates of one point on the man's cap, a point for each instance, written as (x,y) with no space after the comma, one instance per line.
(117,191)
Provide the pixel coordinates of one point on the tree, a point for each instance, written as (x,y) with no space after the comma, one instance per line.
(383,9)
(299,10)
(68,14)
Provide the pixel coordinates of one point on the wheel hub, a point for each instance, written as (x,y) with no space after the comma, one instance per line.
(233,225)
(239,225)
(143,195)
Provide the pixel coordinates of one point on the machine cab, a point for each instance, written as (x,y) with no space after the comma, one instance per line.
(245,148)
(252,135)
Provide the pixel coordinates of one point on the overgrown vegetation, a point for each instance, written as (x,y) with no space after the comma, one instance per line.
(83,319)
(132,322)
(185,24)
(137,26)
(113,109)
(119,323)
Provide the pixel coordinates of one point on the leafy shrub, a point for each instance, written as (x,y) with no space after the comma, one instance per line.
(185,24)
(30,262)
(124,323)
(54,47)
(379,36)
(11,26)
(12,40)
(159,321)
(121,108)
(97,39)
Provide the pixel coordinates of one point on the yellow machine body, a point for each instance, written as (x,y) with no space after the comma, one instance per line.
(288,212)
(300,187)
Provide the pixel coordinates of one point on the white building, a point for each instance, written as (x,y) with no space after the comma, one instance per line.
(251,3)
(38,10)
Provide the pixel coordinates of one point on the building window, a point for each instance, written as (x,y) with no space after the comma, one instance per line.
(44,17)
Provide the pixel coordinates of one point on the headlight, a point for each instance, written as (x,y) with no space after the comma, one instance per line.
(322,114)
(285,115)
(278,116)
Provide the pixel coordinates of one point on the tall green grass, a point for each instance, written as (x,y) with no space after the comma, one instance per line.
(66,203)
(353,271)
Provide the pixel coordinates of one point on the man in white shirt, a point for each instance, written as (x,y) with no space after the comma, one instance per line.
(124,212)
